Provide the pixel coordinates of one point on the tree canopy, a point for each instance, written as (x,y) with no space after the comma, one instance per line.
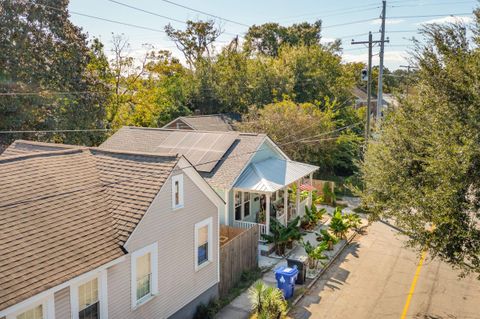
(43,55)
(424,168)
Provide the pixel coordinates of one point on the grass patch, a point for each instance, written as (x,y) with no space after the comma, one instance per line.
(215,305)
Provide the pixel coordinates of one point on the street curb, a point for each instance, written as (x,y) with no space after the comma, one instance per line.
(324,269)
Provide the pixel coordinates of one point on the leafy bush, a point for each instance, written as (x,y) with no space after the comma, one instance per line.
(207,311)
(326,237)
(267,302)
(312,216)
(329,196)
(315,254)
(354,221)
(339,224)
(280,235)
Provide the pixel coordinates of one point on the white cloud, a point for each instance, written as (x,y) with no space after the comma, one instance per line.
(391,58)
(325,40)
(387,21)
(449,19)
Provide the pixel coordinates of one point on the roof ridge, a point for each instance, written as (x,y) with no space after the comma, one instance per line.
(21,141)
(133,153)
(181,130)
(6,159)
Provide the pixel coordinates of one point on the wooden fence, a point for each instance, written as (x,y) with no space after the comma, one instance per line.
(237,255)
(319,184)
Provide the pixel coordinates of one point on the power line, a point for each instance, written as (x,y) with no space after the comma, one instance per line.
(154,13)
(58,131)
(205,13)
(430,15)
(146,11)
(348,23)
(102,19)
(47,93)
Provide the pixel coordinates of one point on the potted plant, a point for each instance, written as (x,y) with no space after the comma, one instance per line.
(311,217)
(294,232)
(328,238)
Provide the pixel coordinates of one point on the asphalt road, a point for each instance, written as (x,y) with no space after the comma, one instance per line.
(373,277)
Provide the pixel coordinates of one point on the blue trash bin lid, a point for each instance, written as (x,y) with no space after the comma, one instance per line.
(289,271)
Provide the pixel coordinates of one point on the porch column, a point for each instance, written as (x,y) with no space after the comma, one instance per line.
(267,212)
(310,191)
(298,198)
(285,203)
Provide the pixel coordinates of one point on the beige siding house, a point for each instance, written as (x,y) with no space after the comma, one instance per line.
(151,222)
(213,122)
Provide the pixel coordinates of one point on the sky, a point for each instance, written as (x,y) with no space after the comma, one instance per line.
(345,19)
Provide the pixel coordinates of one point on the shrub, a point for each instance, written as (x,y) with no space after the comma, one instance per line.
(326,237)
(267,302)
(338,224)
(315,254)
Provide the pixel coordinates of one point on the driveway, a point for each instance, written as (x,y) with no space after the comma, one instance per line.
(373,278)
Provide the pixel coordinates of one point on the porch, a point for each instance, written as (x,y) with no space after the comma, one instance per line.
(272,188)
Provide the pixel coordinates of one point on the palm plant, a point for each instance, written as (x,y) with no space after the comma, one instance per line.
(281,235)
(327,237)
(310,218)
(314,253)
(354,220)
(338,224)
(267,302)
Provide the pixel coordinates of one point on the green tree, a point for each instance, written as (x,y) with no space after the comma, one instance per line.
(423,170)
(268,38)
(196,41)
(44,53)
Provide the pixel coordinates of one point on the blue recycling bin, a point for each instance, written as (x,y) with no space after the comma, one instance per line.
(286,277)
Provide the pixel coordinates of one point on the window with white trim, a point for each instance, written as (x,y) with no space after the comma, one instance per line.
(32,313)
(238,206)
(40,309)
(177,191)
(246,204)
(203,243)
(88,300)
(144,274)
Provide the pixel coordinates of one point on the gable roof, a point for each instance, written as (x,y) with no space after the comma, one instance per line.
(214,122)
(225,172)
(66,212)
(272,174)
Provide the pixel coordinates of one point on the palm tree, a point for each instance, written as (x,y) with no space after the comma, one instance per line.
(267,302)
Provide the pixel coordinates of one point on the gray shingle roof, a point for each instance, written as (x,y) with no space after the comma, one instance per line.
(66,212)
(215,122)
(224,173)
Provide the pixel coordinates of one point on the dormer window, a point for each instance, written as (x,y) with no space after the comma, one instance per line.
(177,191)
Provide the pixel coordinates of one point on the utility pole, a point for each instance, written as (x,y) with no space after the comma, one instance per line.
(381,55)
(369,80)
(408,67)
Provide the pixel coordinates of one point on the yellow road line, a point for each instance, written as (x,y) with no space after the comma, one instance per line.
(414,283)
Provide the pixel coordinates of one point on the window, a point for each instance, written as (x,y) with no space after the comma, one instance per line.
(203,243)
(238,206)
(88,302)
(144,274)
(177,191)
(39,309)
(33,313)
(246,204)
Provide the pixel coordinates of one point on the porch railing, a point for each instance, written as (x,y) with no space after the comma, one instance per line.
(247,225)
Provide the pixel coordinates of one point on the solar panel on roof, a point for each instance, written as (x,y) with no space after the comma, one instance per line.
(202,149)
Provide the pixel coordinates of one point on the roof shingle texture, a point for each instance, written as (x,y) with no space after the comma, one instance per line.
(216,122)
(222,176)
(66,212)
